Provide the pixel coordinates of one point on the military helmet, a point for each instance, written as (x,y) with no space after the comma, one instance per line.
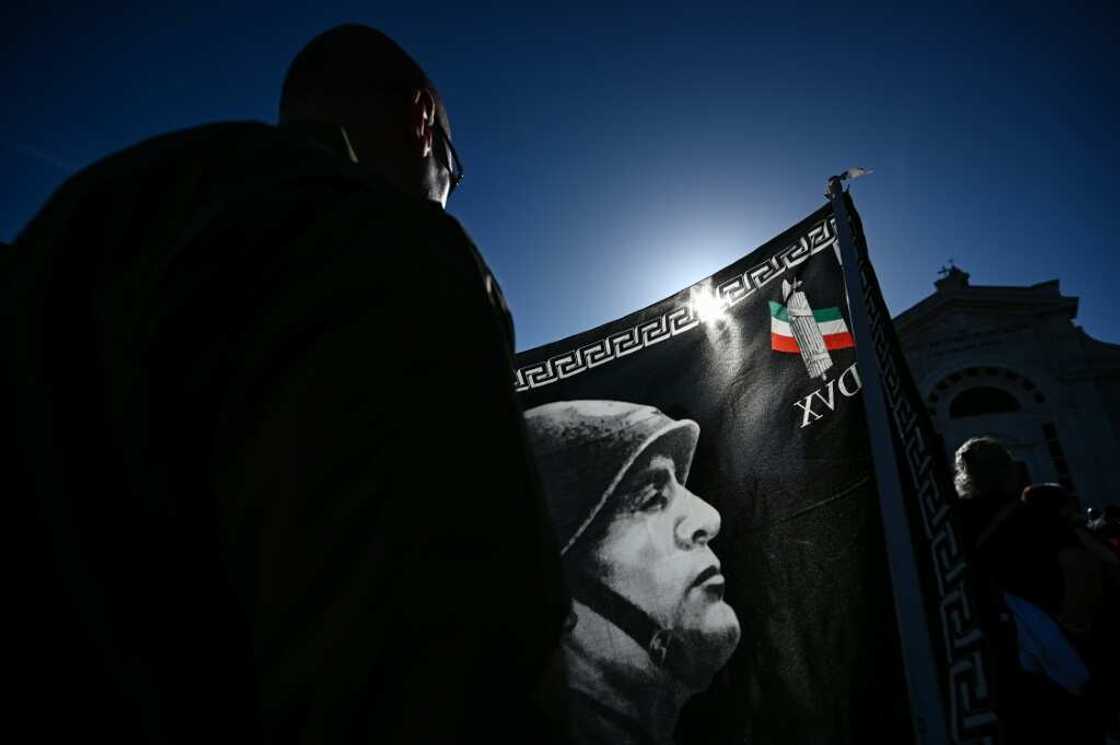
(584,449)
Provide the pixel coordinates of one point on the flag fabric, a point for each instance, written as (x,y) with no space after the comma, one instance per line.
(964,655)
(715,497)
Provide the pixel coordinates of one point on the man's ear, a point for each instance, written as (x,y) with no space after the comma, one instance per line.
(422,118)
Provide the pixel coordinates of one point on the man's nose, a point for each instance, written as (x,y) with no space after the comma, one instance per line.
(700,522)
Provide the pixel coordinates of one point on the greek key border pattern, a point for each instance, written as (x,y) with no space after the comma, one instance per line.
(971,714)
(677,320)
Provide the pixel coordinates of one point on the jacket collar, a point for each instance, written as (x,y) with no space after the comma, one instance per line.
(329,136)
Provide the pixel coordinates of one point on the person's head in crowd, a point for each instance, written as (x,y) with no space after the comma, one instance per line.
(985,470)
(385,107)
(1056,500)
(648,589)
(986,483)
(1016,532)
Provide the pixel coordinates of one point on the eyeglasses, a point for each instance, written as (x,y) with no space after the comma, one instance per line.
(449,158)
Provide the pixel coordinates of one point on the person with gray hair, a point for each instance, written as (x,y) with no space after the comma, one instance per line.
(651,626)
(984,469)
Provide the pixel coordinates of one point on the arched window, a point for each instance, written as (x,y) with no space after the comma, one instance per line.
(982,400)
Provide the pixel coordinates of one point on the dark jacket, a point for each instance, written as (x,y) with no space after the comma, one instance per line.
(1014,547)
(275,478)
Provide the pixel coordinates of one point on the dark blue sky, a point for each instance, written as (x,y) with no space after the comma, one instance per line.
(617,154)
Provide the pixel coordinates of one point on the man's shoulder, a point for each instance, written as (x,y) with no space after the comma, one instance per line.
(271,190)
(254,151)
(244,140)
(239,170)
(225,143)
(213,158)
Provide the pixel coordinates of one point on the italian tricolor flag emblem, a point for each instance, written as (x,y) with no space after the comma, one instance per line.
(829,322)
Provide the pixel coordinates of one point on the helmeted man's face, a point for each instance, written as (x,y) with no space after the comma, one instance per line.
(655,553)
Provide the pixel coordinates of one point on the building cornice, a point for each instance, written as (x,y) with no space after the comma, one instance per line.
(1043,299)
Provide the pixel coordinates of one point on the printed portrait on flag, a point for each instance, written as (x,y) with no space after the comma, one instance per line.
(650,626)
(708,474)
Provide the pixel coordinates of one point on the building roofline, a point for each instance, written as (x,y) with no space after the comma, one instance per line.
(955,290)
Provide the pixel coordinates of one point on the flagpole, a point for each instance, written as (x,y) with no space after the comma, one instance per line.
(922,681)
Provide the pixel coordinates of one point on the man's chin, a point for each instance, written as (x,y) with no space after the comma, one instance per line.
(712,644)
(722,632)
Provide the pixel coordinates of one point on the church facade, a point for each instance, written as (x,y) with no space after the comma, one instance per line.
(1010,363)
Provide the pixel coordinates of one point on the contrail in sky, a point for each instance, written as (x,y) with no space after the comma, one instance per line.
(42,156)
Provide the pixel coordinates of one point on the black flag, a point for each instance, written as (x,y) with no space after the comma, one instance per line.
(708,471)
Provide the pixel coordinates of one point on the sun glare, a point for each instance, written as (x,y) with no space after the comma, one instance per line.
(707,306)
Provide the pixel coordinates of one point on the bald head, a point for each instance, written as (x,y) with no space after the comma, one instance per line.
(358,78)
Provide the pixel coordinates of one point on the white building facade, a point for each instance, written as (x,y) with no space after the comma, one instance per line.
(1010,363)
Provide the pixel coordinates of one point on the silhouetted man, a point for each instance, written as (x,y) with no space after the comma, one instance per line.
(259,387)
